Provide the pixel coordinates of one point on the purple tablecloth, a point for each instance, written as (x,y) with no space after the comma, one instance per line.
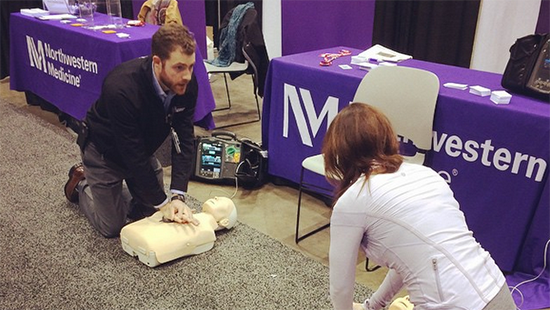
(66,65)
(495,157)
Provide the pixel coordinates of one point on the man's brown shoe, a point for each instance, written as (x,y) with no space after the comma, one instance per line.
(76,174)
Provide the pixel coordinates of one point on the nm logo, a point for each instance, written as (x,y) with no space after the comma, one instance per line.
(37,57)
(301,103)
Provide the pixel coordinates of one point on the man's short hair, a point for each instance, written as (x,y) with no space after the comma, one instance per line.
(171,36)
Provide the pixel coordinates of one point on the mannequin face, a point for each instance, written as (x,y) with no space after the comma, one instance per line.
(222,209)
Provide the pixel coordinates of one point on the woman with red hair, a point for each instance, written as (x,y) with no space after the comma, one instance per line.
(404,217)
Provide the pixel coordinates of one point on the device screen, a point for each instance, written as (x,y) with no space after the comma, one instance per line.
(540,78)
(211,160)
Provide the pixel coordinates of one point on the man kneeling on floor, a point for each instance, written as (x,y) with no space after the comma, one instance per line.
(142,101)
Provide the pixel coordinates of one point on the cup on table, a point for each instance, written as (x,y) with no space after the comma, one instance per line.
(115,13)
(86,10)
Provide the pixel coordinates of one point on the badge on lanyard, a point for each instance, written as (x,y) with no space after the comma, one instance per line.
(173,133)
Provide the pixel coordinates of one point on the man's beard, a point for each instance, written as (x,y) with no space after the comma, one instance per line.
(177,88)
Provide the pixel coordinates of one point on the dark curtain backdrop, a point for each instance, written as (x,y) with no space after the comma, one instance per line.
(436,31)
(6,8)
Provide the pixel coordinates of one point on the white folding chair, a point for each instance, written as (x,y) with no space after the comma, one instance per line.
(243,66)
(247,67)
(234,67)
(316,165)
(407,96)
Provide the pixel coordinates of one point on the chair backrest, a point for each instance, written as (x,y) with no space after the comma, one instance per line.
(232,34)
(407,96)
(254,49)
(251,57)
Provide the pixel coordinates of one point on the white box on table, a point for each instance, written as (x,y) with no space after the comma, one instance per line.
(500,97)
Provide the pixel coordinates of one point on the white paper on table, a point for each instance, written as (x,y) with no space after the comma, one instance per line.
(57,17)
(57,6)
(367,65)
(500,97)
(357,60)
(34,12)
(456,85)
(480,91)
(381,53)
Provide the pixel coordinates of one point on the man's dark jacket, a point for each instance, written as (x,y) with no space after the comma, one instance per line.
(128,124)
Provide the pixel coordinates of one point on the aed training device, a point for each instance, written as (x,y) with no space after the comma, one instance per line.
(222,158)
(218,157)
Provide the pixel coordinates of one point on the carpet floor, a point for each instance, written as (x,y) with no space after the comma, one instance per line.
(51,258)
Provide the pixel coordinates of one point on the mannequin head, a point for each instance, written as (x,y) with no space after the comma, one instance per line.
(223,210)
(401,303)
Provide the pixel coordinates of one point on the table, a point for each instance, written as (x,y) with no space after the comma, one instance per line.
(495,157)
(66,65)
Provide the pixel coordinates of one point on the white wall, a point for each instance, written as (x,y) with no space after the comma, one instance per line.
(271,27)
(500,23)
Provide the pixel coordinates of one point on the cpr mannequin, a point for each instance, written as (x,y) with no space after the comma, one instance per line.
(401,303)
(155,241)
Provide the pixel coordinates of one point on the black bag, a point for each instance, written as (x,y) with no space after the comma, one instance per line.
(528,70)
(252,171)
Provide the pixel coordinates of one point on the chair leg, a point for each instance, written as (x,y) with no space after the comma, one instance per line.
(228,97)
(259,118)
(227,90)
(297,237)
(256,97)
(368,268)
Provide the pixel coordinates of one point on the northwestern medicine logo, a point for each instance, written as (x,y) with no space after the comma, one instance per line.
(58,64)
(469,150)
